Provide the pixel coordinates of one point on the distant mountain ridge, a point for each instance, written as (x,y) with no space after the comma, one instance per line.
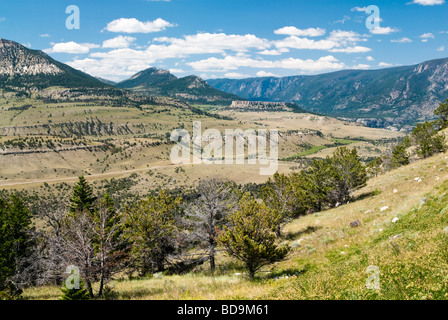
(393,97)
(192,89)
(23,67)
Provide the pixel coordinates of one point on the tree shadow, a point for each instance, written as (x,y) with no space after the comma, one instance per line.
(295,235)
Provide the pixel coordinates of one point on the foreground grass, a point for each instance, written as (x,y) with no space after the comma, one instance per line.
(330,259)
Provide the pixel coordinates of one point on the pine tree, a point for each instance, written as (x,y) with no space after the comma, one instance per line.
(400,156)
(286,196)
(318,183)
(427,139)
(250,235)
(151,227)
(75,294)
(83,198)
(348,173)
(15,226)
(442,112)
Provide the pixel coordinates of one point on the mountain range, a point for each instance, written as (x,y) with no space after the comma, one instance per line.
(391,97)
(394,98)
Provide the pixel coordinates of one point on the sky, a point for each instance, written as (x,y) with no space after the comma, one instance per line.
(229,38)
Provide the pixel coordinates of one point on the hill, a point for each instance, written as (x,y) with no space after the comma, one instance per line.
(192,89)
(330,259)
(398,97)
(23,67)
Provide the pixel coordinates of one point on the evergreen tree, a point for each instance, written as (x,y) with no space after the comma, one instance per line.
(400,156)
(15,226)
(318,183)
(348,173)
(285,195)
(82,198)
(151,227)
(442,112)
(75,294)
(427,139)
(250,235)
(374,167)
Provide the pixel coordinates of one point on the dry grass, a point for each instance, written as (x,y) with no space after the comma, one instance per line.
(331,258)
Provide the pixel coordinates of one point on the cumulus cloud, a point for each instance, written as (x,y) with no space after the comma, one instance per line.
(385,30)
(71,47)
(127,61)
(236,75)
(133,25)
(442,48)
(369,58)
(263,74)
(236,62)
(426,36)
(293,31)
(214,43)
(385,64)
(119,42)
(274,52)
(428,2)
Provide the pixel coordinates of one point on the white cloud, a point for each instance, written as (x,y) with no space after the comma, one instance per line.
(385,64)
(274,52)
(442,48)
(381,30)
(177,71)
(71,47)
(293,31)
(356,49)
(126,61)
(235,62)
(359,9)
(45,35)
(428,2)
(235,75)
(135,26)
(402,40)
(119,42)
(361,67)
(369,58)
(263,74)
(213,43)
(426,36)
(294,42)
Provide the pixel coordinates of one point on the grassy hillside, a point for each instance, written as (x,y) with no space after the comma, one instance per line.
(56,140)
(330,259)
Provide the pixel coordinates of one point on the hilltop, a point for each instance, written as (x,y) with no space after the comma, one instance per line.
(192,89)
(23,67)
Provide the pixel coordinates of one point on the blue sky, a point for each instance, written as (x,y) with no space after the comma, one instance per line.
(231,38)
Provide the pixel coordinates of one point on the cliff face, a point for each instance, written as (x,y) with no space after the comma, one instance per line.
(15,60)
(396,97)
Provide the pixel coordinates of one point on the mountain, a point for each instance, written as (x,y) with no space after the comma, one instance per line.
(396,97)
(23,67)
(192,89)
